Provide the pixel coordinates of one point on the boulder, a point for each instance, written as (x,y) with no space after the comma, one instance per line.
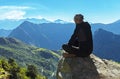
(91,67)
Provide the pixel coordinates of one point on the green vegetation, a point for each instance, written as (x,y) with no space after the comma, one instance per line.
(44,60)
(10,69)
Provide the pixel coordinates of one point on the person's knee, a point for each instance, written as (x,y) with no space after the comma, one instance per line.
(64,46)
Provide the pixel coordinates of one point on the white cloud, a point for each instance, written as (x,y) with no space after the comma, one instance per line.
(15,7)
(14,14)
(20,12)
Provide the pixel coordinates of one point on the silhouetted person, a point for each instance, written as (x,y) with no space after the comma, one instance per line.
(80,43)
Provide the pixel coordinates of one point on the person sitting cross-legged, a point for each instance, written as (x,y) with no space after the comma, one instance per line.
(81,42)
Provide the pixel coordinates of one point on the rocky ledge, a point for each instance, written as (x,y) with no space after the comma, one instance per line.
(91,67)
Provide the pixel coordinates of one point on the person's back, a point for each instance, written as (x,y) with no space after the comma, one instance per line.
(81,43)
(88,42)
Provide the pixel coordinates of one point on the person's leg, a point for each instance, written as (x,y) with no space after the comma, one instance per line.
(76,43)
(81,52)
(70,49)
(66,47)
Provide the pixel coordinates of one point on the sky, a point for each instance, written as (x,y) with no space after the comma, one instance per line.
(94,11)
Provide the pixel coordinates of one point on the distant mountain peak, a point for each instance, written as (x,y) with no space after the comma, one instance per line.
(44,19)
(118,21)
(60,21)
(102,31)
(4,32)
(102,34)
(27,22)
(34,20)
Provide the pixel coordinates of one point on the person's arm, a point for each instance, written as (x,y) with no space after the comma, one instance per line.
(73,37)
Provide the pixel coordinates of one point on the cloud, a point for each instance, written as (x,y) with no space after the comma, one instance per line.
(15,7)
(21,12)
(15,14)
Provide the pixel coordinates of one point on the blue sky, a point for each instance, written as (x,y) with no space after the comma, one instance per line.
(95,11)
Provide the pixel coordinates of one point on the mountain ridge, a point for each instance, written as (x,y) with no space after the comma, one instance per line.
(107,44)
(41,35)
(9,24)
(12,24)
(4,33)
(45,60)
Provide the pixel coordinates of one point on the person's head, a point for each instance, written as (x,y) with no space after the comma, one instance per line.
(78,18)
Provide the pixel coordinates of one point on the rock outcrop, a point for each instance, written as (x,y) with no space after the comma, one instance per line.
(87,68)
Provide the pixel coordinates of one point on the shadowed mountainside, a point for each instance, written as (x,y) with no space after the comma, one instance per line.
(107,45)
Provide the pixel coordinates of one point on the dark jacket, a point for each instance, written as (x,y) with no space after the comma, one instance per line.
(83,35)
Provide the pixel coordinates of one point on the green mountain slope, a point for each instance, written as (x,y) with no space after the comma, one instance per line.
(45,60)
(9,69)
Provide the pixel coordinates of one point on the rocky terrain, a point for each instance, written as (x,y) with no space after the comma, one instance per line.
(91,67)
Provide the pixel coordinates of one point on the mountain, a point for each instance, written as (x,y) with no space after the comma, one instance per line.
(37,21)
(31,33)
(97,26)
(4,33)
(11,23)
(112,27)
(46,35)
(45,60)
(107,45)
(91,67)
(51,31)
(60,21)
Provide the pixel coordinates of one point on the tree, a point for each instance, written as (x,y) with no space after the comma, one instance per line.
(12,63)
(14,69)
(5,65)
(32,71)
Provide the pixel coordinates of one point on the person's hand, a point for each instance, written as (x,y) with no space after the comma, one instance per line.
(66,55)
